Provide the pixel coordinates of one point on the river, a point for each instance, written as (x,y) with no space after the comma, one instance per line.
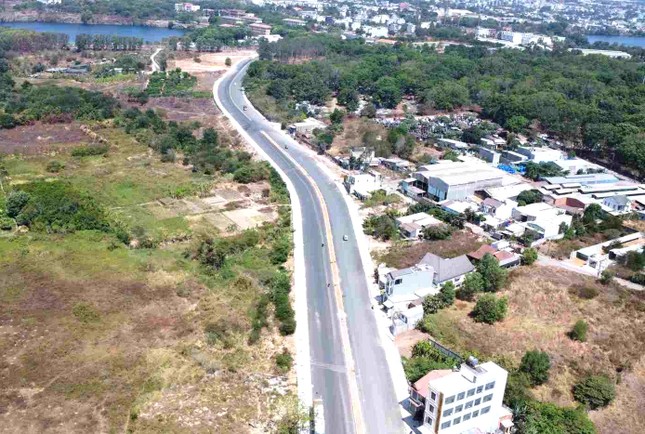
(629,41)
(148,34)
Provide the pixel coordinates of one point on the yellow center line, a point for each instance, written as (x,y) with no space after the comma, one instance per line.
(338,295)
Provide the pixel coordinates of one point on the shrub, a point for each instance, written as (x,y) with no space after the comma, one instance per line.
(6,223)
(445,297)
(544,417)
(54,166)
(16,201)
(437,232)
(382,227)
(635,261)
(529,256)
(579,331)
(638,279)
(595,391)
(284,361)
(536,365)
(473,284)
(227,61)
(259,319)
(87,151)
(606,277)
(85,313)
(490,309)
(585,292)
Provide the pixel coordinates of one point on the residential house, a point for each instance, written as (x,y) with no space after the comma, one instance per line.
(305,127)
(542,219)
(618,204)
(186,7)
(406,319)
(259,29)
(464,400)
(506,257)
(409,188)
(448,270)
(412,226)
(501,209)
(458,206)
(396,164)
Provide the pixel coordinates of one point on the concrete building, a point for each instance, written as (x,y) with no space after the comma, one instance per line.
(362,185)
(618,204)
(412,226)
(396,164)
(457,180)
(186,7)
(542,219)
(292,22)
(489,156)
(464,400)
(540,155)
(259,29)
(306,127)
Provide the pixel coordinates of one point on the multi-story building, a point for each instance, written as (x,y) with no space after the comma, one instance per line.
(260,29)
(463,400)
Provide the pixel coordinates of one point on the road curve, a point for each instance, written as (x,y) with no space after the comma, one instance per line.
(328,318)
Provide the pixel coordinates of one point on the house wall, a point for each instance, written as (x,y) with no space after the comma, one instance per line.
(410,283)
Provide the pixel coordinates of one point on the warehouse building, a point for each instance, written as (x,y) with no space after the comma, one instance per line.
(457,180)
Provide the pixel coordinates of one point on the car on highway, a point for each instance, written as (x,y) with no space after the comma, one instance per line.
(345,238)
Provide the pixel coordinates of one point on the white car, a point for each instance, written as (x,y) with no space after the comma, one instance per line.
(345,238)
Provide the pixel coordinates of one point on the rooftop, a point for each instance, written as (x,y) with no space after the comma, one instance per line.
(446,269)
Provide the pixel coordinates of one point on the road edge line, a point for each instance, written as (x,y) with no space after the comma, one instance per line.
(303,357)
(359,423)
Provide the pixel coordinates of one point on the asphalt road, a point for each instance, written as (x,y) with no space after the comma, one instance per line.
(330,378)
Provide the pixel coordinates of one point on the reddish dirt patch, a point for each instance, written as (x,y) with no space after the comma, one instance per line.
(406,340)
(39,138)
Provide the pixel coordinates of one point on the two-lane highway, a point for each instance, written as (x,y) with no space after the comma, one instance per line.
(342,327)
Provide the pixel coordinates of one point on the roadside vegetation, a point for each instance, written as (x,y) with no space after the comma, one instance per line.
(144,272)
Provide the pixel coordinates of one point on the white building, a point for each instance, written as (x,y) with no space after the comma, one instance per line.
(362,185)
(186,7)
(465,400)
(542,219)
(457,180)
(412,226)
(541,155)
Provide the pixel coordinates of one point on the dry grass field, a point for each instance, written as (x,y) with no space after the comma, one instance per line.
(544,303)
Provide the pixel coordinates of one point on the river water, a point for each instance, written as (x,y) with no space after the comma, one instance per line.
(148,34)
(629,41)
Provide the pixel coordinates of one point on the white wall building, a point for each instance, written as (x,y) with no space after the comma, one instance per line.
(463,400)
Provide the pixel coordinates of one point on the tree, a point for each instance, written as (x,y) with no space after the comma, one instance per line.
(529,196)
(387,92)
(606,277)
(635,261)
(447,294)
(490,309)
(369,111)
(529,256)
(447,96)
(516,123)
(227,61)
(595,391)
(579,331)
(493,275)
(473,284)
(536,365)
(445,297)
(592,214)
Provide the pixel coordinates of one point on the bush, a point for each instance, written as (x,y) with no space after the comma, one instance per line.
(606,277)
(6,223)
(445,297)
(437,232)
(635,261)
(382,227)
(529,256)
(54,166)
(280,286)
(284,361)
(544,417)
(16,201)
(595,391)
(490,309)
(85,313)
(473,284)
(87,151)
(579,331)
(638,279)
(536,365)
(227,61)
(585,292)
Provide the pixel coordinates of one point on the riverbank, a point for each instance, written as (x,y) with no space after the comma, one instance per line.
(31,16)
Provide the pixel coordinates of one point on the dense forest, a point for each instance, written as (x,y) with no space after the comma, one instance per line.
(108,42)
(136,9)
(593,102)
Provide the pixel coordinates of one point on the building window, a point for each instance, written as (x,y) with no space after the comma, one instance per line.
(479,389)
(456,421)
(431,409)
(466,417)
(445,425)
(475,413)
(447,412)
(471,392)
(485,410)
(429,420)
(488,397)
(450,399)
(398,281)
(469,404)
(490,385)
(461,396)
(459,408)
(478,401)
(433,396)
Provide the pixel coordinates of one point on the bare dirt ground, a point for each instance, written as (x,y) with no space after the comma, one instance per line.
(210,65)
(406,340)
(40,138)
(353,131)
(544,303)
(405,254)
